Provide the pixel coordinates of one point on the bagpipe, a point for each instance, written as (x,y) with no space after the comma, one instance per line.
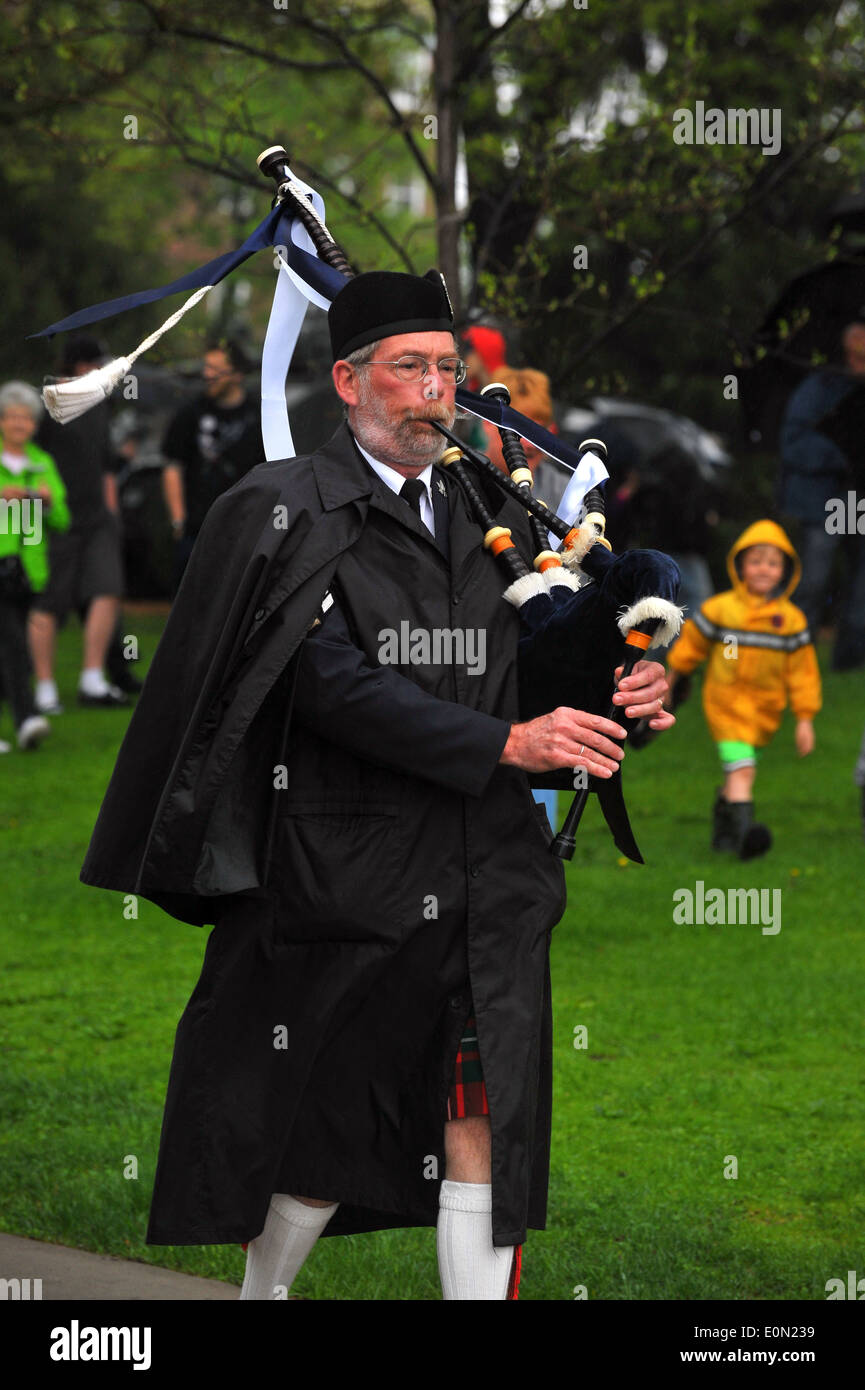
(583,610)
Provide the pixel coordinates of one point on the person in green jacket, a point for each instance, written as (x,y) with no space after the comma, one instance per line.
(32,499)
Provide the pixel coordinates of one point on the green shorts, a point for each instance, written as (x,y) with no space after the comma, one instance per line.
(734,754)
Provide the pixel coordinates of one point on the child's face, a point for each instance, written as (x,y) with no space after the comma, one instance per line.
(762,568)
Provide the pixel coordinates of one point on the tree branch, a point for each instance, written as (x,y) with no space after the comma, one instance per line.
(352,60)
(711,235)
(263,55)
(491,37)
(326,35)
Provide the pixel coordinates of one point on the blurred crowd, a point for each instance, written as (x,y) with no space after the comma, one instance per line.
(62,537)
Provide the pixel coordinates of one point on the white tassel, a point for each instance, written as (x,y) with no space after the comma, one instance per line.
(653,607)
(558,575)
(521,590)
(586,538)
(66,400)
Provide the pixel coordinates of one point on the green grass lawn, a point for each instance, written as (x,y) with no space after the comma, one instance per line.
(705,1043)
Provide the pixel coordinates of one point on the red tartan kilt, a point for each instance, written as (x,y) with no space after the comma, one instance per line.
(468,1094)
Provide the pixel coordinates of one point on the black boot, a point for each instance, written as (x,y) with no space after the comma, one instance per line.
(723,837)
(751,838)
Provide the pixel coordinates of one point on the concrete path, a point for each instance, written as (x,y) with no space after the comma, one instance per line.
(79,1274)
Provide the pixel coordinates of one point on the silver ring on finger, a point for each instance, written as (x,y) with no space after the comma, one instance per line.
(580,754)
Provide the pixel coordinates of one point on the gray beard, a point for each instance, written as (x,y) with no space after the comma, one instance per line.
(400,442)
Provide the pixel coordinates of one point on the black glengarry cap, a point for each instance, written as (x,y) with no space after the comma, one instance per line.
(382,303)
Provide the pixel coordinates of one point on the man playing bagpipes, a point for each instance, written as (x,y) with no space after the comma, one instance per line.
(369,1043)
(331,762)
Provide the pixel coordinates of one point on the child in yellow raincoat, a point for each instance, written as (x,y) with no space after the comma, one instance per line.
(760,657)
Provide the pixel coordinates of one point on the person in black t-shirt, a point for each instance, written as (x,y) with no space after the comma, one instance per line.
(209,445)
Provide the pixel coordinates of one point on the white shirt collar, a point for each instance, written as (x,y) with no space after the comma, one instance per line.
(395,480)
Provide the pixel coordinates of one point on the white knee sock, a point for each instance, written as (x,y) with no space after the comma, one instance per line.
(470,1266)
(274,1257)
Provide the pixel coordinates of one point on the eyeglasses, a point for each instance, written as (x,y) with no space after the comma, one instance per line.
(416,368)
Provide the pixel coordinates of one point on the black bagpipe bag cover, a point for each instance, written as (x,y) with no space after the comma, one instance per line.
(571,646)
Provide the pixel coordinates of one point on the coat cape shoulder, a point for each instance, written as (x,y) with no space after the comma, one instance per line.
(219,687)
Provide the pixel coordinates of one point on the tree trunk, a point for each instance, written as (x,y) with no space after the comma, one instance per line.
(447,218)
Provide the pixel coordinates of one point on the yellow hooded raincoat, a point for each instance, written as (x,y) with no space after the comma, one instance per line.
(759,649)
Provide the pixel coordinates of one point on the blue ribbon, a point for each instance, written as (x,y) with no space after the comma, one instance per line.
(209,274)
(275,230)
(504,416)
(317,273)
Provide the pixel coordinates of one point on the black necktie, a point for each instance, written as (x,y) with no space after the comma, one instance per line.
(411,492)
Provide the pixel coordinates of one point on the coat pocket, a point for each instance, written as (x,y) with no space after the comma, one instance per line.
(336,871)
(550,868)
(543,821)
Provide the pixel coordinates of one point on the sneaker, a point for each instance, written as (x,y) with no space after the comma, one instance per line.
(48,706)
(110,697)
(32,731)
(4,746)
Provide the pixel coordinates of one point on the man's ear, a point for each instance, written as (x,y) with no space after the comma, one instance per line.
(346,382)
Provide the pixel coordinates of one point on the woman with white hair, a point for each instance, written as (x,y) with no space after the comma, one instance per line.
(32,497)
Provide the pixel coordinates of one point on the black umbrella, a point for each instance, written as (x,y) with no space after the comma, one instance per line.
(637,435)
(802,332)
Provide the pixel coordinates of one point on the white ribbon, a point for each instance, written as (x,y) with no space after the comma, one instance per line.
(590,472)
(290,300)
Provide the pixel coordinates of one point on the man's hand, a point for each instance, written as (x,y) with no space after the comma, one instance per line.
(565,738)
(643,692)
(572,738)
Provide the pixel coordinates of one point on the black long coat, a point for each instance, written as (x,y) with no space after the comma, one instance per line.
(371,869)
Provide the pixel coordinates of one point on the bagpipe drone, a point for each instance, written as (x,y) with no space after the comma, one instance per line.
(583,610)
